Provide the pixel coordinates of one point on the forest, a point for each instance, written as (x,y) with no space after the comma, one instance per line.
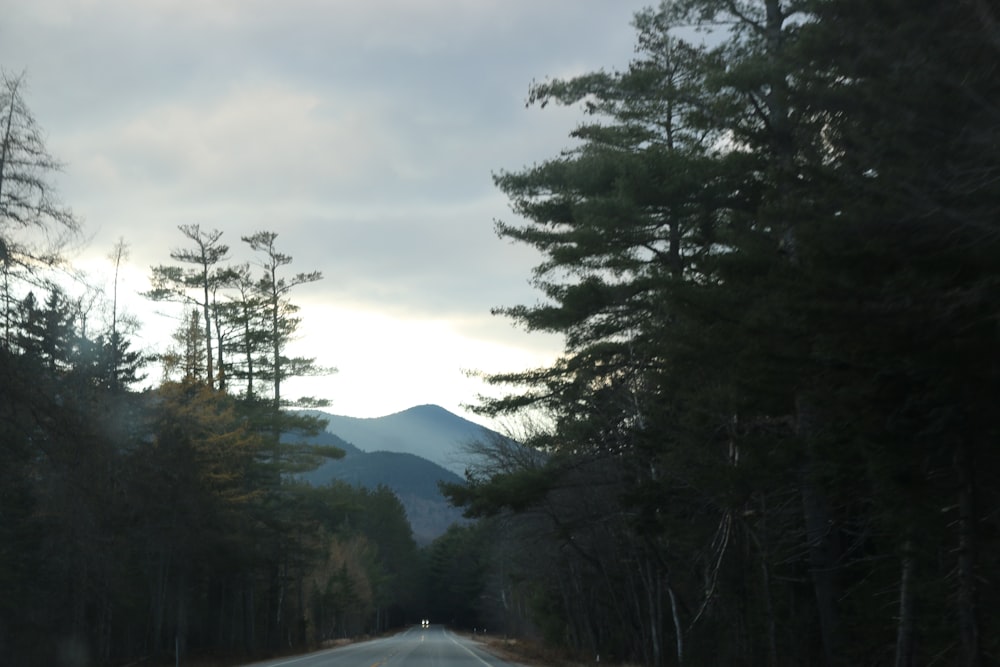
(168,524)
(772,247)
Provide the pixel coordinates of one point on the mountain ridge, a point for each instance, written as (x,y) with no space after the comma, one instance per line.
(409,452)
(428,431)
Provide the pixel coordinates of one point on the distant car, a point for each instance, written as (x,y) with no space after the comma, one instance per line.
(425,623)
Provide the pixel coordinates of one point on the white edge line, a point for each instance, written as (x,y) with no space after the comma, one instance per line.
(471,652)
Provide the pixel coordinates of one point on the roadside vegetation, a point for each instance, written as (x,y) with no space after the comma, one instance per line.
(772,248)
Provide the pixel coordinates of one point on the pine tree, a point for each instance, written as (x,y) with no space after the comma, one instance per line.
(177,283)
(281,322)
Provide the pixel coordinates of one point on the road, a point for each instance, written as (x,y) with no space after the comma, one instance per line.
(417,647)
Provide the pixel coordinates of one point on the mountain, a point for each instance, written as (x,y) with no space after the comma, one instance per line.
(409,452)
(428,431)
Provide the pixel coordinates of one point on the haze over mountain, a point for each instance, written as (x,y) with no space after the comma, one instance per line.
(409,452)
(428,431)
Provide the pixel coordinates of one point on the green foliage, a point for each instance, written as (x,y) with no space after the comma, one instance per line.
(512,491)
(772,256)
(136,524)
(278,316)
(204,279)
(456,575)
(133,524)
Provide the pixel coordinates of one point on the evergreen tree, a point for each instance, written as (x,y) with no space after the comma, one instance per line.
(243,331)
(910,235)
(754,259)
(176,283)
(281,322)
(117,367)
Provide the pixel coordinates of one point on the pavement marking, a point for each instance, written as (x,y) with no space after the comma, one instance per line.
(320,653)
(470,651)
(290,662)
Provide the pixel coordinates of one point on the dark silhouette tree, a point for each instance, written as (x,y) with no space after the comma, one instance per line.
(195,286)
(34,227)
(776,371)
(281,322)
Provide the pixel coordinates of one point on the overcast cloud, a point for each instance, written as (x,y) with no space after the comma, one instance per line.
(364,132)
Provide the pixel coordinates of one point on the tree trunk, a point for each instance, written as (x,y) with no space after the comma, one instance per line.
(651,620)
(181,631)
(210,371)
(763,549)
(160,601)
(822,563)
(967,615)
(904,629)
(249,614)
(678,630)
(220,369)
(820,536)
(5,144)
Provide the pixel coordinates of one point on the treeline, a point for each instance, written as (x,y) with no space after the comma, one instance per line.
(163,523)
(774,252)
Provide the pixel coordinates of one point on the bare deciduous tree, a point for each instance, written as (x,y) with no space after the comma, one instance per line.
(34,227)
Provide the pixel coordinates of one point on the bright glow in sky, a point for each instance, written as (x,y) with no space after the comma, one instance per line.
(364,132)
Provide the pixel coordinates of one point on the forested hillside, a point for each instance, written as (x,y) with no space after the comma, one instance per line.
(414,480)
(773,249)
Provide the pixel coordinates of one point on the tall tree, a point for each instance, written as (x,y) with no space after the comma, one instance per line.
(819,224)
(176,283)
(34,226)
(47,330)
(243,330)
(910,116)
(186,358)
(29,210)
(191,494)
(114,365)
(629,221)
(286,454)
(282,323)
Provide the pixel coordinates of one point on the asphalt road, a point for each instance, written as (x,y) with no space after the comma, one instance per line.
(417,647)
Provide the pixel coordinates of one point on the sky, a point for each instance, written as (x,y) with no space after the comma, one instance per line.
(365,133)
